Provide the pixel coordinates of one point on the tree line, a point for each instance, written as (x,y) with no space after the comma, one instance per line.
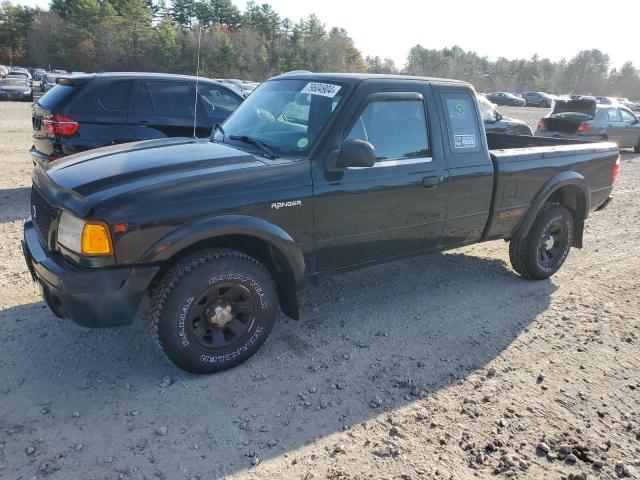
(257,43)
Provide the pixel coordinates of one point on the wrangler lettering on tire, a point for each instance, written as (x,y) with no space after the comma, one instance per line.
(213,310)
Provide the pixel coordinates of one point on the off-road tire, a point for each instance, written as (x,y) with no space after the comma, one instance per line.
(524,252)
(191,278)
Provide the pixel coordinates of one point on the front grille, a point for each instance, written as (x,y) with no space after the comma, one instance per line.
(42,214)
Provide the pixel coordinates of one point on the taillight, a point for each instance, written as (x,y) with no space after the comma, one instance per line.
(583,128)
(541,124)
(615,170)
(59,125)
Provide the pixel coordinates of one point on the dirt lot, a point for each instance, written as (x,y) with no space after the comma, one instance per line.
(443,367)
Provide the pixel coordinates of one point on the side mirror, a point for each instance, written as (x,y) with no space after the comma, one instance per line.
(498,116)
(356,153)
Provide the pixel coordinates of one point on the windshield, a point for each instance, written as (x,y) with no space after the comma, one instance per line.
(13,82)
(287,116)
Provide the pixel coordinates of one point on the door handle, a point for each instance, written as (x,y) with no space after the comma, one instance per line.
(430,182)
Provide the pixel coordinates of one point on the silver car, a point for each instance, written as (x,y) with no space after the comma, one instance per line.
(585,120)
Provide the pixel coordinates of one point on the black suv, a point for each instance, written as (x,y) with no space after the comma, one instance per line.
(90,111)
(537,99)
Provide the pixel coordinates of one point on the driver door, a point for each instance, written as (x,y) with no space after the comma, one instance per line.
(396,207)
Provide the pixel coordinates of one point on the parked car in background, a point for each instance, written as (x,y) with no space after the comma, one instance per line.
(16,88)
(243,87)
(90,111)
(585,120)
(628,103)
(60,72)
(583,97)
(537,99)
(506,98)
(49,81)
(38,73)
(247,88)
(606,101)
(4,71)
(21,72)
(495,122)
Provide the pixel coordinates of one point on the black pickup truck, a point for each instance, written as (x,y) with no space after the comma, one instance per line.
(313,173)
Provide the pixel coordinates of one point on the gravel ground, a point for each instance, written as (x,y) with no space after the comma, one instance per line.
(449,366)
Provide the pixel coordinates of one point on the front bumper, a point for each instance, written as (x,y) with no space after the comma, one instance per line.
(91,297)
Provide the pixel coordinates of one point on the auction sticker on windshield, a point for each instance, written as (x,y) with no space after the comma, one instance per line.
(324,89)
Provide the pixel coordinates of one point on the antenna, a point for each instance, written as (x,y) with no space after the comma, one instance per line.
(195,102)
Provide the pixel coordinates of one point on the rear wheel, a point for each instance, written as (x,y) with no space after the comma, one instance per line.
(543,251)
(213,310)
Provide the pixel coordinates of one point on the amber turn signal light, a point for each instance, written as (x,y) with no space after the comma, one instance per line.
(96,239)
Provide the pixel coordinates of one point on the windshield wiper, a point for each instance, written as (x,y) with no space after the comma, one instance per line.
(256,143)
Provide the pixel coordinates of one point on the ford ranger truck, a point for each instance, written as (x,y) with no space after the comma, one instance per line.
(312,174)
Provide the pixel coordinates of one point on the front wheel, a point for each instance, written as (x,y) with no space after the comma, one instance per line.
(213,310)
(543,251)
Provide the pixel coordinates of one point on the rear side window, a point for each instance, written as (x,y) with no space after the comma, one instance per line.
(53,99)
(397,129)
(116,94)
(143,101)
(613,115)
(462,120)
(166,98)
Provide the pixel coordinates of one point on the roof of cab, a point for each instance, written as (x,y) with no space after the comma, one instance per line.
(358,77)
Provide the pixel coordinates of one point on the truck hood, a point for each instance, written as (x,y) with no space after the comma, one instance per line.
(105,168)
(77,182)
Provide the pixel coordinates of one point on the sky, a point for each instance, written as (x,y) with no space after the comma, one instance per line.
(553,29)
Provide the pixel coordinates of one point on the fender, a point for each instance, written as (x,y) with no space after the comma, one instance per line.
(280,241)
(556,183)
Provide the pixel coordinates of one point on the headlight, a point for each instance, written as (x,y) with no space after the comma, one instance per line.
(86,237)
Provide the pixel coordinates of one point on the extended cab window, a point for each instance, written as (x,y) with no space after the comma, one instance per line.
(464,134)
(397,129)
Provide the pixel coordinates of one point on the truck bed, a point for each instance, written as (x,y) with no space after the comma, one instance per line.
(502,141)
(523,165)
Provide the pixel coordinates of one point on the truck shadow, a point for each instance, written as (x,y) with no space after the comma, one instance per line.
(15,203)
(369,342)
